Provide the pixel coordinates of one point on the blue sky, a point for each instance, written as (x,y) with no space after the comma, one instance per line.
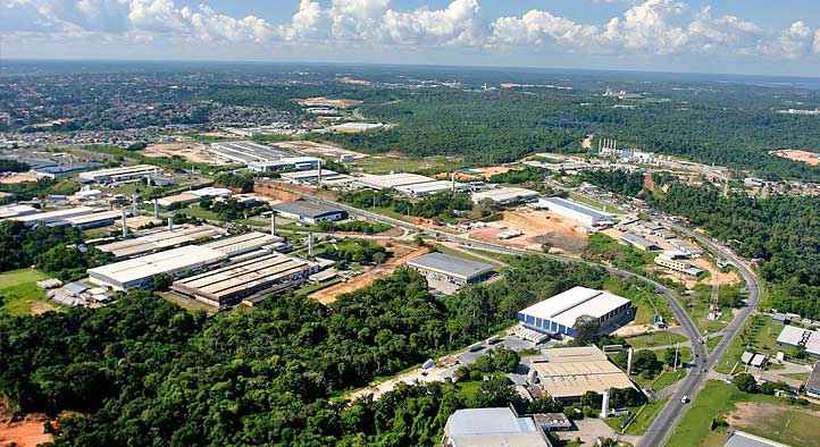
(780,37)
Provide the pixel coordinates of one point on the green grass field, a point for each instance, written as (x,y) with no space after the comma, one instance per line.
(383,164)
(661,338)
(20,291)
(759,334)
(791,426)
(645,416)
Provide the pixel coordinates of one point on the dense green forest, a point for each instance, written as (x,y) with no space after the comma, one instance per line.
(270,375)
(782,231)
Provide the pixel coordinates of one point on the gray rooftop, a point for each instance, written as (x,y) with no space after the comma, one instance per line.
(486,421)
(579,208)
(306,209)
(813,383)
(743,439)
(450,265)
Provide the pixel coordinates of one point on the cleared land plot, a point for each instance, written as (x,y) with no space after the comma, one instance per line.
(21,294)
(792,425)
(385,164)
(759,414)
(319,149)
(810,158)
(662,338)
(401,254)
(537,227)
(18,177)
(25,433)
(193,152)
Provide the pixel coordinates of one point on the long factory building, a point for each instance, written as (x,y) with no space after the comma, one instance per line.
(584,214)
(559,314)
(140,271)
(262,158)
(228,285)
(160,239)
(118,175)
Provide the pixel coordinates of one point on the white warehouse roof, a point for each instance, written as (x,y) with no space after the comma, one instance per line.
(392,180)
(567,306)
(124,273)
(569,205)
(417,189)
(504,195)
(797,336)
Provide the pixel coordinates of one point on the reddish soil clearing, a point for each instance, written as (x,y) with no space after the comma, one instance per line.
(401,254)
(810,158)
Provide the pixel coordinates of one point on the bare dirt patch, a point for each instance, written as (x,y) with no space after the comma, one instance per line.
(193,152)
(319,149)
(715,275)
(18,177)
(27,432)
(321,101)
(401,254)
(789,424)
(810,158)
(537,227)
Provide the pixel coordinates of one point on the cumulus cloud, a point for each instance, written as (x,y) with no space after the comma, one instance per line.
(645,27)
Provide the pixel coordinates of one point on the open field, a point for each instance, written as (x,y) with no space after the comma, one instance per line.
(538,227)
(809,158)
(401,254)
(661,338)
(21,294)
(759,335)
(645,416)
(793,425)
(193,152)
(18,177)
(385,164)
(25,433)
(760,414)
(319,149)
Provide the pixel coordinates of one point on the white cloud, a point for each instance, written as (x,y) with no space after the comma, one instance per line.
(648,27)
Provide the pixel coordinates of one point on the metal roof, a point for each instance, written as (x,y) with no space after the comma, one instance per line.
(796,336)
(451,265)
(566,307)
(485,421)
(577,207)
(571,372)
(392,180)
(306,209)
(169,261)
(504,194)
(429,187)
(742,439)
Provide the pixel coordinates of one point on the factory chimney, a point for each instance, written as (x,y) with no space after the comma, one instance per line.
(605,405)
(629,362)
(156,208)
(310,245)
(319,178)
(272,223)
(134,198)
(124,222)
(170,223)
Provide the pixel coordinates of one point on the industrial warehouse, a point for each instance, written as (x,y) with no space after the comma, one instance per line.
(568,373)
(228,285)
(391,181)
(63,216)
(140,272)
(428,188)
(160,239)
(118,175)
(309,212)
(447,274)
(559,314)
(588,216)
(262,158)
(505,195)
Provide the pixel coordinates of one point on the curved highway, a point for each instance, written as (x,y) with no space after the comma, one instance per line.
(662,427)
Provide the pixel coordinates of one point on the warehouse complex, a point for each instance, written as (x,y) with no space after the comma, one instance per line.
(447,274)
(228,285)
(428,188)
(505,195)
(309,212)
(800,338)
(118,175)
(559,314)
(260,157)
(391,181)
(568,373)
(664,260)
(586,215)
(140,272)
(160,239)
(483,427)
(57,217)
(14,210)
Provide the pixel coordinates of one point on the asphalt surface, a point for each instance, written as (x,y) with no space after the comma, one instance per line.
(664,424)
(662,427)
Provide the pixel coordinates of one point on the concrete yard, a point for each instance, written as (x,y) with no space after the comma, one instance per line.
(538,227)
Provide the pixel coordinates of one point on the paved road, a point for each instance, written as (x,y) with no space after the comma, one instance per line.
(661,428)
(664,424)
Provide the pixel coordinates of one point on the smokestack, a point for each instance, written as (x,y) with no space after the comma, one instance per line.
(310,245)
(319,179)
(156,208)
(134,198)
(170,223)
(124,226)
(629,362)
(605,405)
(453,182)
(272,223)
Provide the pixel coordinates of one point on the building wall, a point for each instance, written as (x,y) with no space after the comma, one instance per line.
(548,326)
